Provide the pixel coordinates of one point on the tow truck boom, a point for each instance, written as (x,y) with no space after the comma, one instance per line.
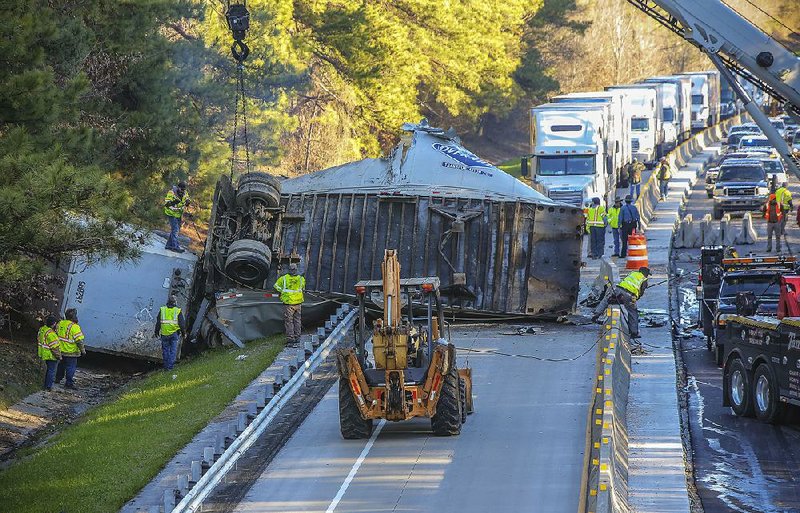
(734,44)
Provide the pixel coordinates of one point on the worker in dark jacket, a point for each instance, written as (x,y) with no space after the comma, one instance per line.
(170,325)
(629,220)
(626,293)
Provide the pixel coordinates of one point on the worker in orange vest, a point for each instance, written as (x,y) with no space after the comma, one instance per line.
(773,213)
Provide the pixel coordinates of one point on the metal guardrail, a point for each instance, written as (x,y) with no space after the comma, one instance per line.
(193,500)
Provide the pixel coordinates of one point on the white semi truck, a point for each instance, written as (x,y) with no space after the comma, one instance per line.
(676,103)
(705,99)
(647,122)
(617,133)
(571,151)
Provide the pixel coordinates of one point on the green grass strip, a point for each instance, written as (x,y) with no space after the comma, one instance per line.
(101,462)
(512,167)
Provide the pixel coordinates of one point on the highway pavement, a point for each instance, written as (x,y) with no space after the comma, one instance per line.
(740,464)
(522,449)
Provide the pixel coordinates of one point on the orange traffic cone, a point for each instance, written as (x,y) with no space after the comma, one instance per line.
(637,251)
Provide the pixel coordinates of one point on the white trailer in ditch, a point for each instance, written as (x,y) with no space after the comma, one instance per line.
(676,104)
(705,98)
(571,154)
(647,122)
(617,135)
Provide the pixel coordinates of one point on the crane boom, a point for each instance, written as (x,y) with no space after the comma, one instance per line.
(733,43)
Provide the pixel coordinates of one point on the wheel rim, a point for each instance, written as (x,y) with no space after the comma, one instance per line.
(762,393)
(737,387)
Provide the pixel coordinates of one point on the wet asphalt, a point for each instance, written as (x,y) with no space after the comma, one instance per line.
(740,464)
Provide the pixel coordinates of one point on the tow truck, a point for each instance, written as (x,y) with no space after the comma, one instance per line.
(723,281)
(762,358)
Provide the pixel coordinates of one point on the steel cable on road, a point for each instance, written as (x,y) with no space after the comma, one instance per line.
(531,356)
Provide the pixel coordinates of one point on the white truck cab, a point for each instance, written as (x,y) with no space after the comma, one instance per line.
(647,126)
(569,154)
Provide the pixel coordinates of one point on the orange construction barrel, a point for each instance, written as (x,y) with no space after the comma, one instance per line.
(637,251)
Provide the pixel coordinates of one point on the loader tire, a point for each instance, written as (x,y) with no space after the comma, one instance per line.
(258,187)
(248,261)
(447,419)
(352,426)
(462,394)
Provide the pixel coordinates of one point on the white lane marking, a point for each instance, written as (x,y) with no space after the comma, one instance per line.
(356,466)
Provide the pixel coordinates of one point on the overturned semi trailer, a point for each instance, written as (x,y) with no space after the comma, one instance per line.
(498,246)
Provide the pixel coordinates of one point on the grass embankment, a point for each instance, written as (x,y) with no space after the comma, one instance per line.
(104,460)
(512,167)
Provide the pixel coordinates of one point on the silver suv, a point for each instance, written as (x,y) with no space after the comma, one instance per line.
(741,186)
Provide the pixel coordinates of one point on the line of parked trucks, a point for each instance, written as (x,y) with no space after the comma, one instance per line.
(582,142)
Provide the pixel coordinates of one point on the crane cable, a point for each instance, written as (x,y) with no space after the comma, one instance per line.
(238,19)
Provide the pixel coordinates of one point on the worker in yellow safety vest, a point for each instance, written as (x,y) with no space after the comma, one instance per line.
(291,287)
(596,224)
(175,203)
(47,345)
(613,223)
(70,337)
(626,294)
(784,197)
(170,324)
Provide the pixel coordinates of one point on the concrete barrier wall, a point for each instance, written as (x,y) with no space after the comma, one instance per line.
(607,485)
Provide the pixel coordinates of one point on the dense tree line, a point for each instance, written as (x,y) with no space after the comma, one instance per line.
(103,103)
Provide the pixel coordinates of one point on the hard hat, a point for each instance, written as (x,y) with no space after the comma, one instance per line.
(662,159)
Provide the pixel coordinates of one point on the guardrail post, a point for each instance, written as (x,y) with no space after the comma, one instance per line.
(197,473)
(252,411)
(241,422)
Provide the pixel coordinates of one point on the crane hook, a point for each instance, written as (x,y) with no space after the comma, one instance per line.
(238,18)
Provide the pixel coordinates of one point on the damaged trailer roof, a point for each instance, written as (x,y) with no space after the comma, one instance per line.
(432,162)
(497,245)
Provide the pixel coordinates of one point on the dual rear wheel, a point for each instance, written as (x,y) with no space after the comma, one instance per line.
(754,395)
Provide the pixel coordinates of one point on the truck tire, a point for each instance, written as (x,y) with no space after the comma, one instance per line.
(447,419)
(462,395)
(248,261)
(261,187)
(351,424)
(766,403)
(739,390)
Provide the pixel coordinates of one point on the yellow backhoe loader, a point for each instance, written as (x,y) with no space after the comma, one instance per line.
(413,370)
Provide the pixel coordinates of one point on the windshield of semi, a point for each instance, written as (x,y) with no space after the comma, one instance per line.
(640,124)
(566,165)
(758,285)
(741,174)
(697,99)
(669,114)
